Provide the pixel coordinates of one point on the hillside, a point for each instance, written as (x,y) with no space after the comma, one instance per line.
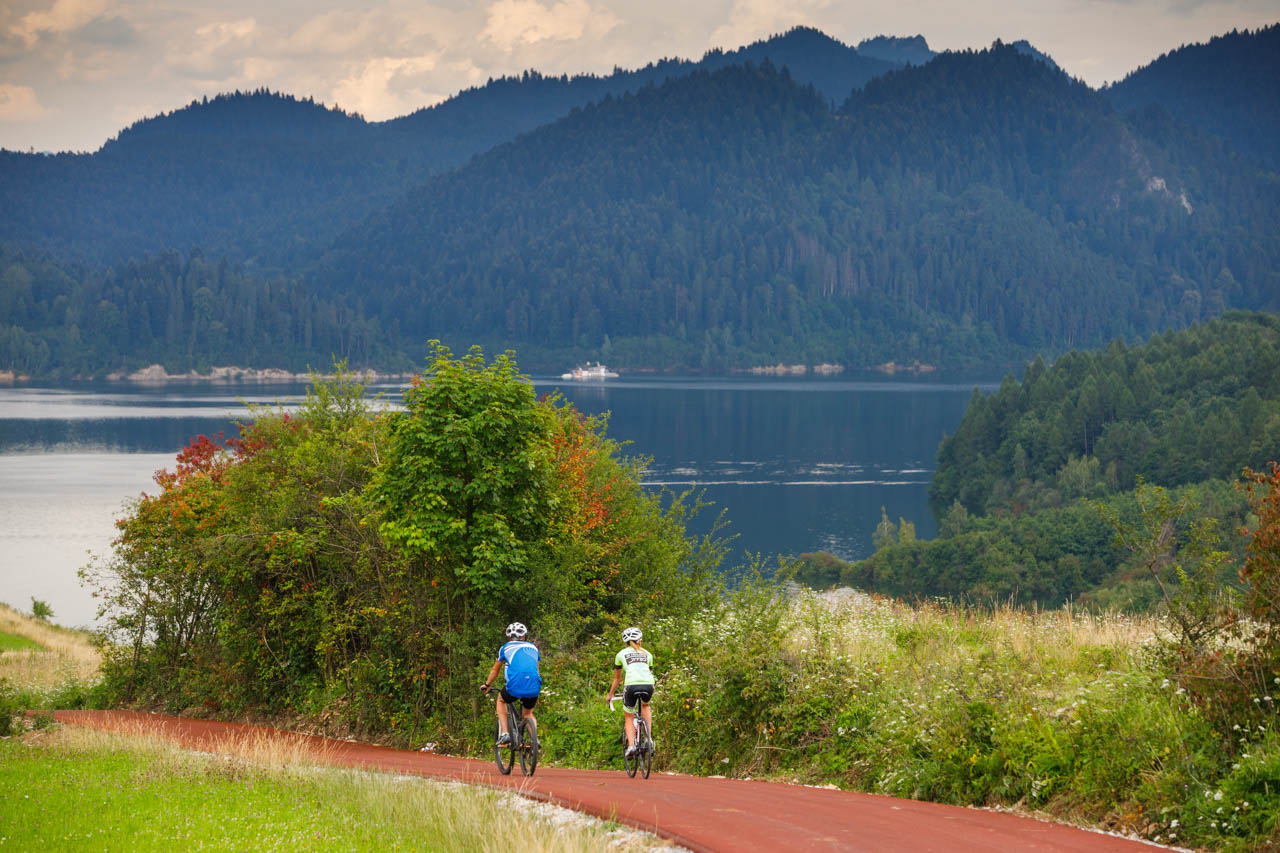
(976,209)
(980,207)
(269,178)
(1019,485)
(1225,87)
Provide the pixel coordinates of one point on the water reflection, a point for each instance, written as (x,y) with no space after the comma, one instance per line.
(797,464)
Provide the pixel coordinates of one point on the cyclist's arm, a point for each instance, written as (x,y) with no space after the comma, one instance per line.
(493,673)
(617,676)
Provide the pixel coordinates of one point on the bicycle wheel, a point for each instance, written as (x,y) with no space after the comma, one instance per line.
(644,755)
(504,756)
(632,764)
(528,745)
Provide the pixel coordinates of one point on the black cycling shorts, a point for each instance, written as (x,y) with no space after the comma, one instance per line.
(526,701)
(634,694)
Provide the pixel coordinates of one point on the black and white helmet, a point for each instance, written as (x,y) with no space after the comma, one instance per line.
(516,631)
(632,635)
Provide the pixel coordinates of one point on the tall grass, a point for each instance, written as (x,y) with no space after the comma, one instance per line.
(65,658)
(1064,712)
(81,789)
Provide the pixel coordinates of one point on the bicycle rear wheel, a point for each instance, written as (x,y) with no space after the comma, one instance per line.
(528,745)
(504,756)
(644,755)
(631,763)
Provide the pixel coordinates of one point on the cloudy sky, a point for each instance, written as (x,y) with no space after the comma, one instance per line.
(75,72)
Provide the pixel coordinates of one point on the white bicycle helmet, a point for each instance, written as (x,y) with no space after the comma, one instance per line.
(632,635)
(516,631)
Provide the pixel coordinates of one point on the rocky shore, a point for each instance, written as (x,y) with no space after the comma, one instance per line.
(157,373)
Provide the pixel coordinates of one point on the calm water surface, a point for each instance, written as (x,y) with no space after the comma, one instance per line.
(798,465)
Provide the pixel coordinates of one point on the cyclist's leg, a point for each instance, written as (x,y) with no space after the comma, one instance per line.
(503,699)
(630,707)
(527,704)
(647,711)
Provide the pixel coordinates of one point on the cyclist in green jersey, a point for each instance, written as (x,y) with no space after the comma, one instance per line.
(636,663)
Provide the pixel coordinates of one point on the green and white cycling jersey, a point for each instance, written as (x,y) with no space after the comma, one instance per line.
(636,664)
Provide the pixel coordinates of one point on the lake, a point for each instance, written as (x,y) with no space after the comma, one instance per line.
(796,464)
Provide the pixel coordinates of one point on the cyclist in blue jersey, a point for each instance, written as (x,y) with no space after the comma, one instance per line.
(635,664)
(520,659)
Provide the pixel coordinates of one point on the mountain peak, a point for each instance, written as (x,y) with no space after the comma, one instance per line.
(900,50)
(1025,47)
(258,113)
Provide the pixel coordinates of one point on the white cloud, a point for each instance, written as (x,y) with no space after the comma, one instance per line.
(381,88)
(64,16)
(336,33)
(221,33)
(19,103)
(525,22)
(752,20)
(214,48)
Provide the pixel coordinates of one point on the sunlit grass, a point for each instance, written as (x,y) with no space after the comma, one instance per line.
(60,656)
(74,788)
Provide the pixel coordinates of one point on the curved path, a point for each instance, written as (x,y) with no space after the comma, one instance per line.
(702,814)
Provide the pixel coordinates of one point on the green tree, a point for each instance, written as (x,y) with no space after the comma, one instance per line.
(885,534)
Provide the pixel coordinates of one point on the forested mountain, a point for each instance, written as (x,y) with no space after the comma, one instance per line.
(1185,407)
(975,209)
(1018,487)
(185,312)
(982,204)
(269,178)
(1226,87)
(246,175)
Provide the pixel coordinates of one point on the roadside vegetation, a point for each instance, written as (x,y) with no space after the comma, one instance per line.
(1018,485)
(349,571)
(43,665)
(72,788)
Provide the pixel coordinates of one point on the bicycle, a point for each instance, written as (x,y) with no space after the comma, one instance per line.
(523,743)
(642,759)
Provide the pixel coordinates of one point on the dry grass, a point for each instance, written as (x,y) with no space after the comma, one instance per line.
(869,629)
(65,655)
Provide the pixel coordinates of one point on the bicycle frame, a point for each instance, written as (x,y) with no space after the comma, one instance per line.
(523,743)
(642,758)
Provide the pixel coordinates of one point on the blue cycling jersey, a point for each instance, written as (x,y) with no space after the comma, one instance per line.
(521,668)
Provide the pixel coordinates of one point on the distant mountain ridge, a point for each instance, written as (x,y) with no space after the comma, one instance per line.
(911,50)
(973,209)
(676,219)
(1225,87)
(267,177)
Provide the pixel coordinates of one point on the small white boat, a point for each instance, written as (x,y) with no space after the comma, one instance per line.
(589,372)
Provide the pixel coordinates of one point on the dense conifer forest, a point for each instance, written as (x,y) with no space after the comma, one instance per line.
(1030,486)
(797,200)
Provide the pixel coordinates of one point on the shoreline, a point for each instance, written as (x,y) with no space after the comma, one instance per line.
(156,374)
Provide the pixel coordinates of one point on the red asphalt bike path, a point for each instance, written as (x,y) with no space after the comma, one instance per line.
(699,813)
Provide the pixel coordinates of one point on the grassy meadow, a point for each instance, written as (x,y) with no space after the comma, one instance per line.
(43,665)
(81,789)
